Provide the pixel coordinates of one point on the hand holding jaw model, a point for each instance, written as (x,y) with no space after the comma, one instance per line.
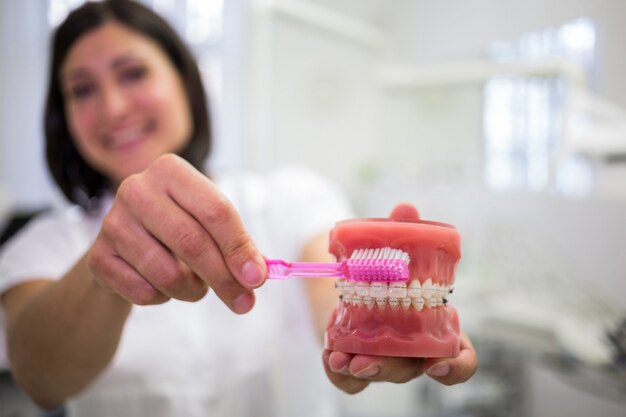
(397,331)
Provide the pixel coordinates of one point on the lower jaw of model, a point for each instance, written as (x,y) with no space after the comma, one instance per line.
(411,319)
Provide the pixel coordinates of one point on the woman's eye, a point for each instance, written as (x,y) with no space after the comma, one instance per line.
(80,91)
(133,74)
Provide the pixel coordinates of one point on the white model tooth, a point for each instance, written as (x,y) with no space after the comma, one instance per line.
(362,288)
(378,289)
(394,302)
(347,298)
(443,292)
(418,303)
(397,289)
(436,292)
(381,302)
(369,302)
(339,284)
(349,288)
(427,288)
(357,300)
(415,289)
(430,302)
(406,303)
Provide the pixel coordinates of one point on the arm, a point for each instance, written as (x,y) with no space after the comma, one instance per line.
(169,234)
(61,334)
(322,294)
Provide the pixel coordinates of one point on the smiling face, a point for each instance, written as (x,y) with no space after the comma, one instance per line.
(124,100)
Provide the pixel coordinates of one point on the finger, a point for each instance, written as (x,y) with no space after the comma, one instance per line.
(196,194)
(452,371)
(186,238)
(404,211)
(114,273)
(151,259)
(346,383)
(339,362)
(390,369)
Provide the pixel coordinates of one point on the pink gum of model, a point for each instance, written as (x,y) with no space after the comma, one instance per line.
(434,250)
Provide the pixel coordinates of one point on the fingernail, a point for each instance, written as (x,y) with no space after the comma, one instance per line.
(243,303)
(368,372)
(338,366)
(252,274)
(439,369)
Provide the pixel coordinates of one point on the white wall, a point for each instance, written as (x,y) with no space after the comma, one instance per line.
(23,54)
(430,31)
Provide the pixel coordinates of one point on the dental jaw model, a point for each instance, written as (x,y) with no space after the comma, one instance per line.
(411,318)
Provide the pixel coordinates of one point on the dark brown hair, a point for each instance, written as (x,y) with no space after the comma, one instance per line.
(81,183)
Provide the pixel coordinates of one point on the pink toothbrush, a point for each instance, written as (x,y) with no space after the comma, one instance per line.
(382,264)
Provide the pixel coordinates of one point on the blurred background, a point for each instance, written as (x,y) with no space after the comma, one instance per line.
(505,118)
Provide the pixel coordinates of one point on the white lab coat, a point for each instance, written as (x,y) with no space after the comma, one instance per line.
(199,359)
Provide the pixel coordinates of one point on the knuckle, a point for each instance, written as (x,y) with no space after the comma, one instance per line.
(97,258)
(196,295)
(113,226)
(165,163)
(190,244)
(169,281)
(130,188)
(219,212)
(238,246)
(146,294)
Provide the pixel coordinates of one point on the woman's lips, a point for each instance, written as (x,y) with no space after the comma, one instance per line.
(129,137)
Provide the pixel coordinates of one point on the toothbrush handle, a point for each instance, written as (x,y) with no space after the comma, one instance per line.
(278,269)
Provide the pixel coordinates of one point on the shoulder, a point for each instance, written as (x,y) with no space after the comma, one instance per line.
(283,187)
(45,247)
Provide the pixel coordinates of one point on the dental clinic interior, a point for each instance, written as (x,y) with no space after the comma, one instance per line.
(504,118)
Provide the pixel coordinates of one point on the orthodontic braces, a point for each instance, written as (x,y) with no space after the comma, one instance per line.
(395,294)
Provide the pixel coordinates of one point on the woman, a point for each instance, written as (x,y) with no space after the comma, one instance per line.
(127,132)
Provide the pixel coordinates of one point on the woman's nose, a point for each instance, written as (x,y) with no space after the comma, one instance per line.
(113,102)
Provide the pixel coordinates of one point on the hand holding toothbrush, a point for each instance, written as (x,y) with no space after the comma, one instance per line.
(171,233)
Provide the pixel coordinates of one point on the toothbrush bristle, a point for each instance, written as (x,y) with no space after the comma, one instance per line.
(379,264)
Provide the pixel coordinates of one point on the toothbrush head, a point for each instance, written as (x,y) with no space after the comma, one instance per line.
(381,264)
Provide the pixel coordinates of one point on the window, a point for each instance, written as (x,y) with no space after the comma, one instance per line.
(523,115)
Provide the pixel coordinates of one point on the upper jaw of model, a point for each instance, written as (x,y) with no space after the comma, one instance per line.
(400,318)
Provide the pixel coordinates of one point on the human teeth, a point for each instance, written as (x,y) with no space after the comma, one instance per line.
(357,300)
(347,298)
(406,303)
(126,136)
(397,289)
(369,302)
(378,289)
(362,288)
(418,303)
(380,302)
(427,288)
(415,289)
(394,302)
